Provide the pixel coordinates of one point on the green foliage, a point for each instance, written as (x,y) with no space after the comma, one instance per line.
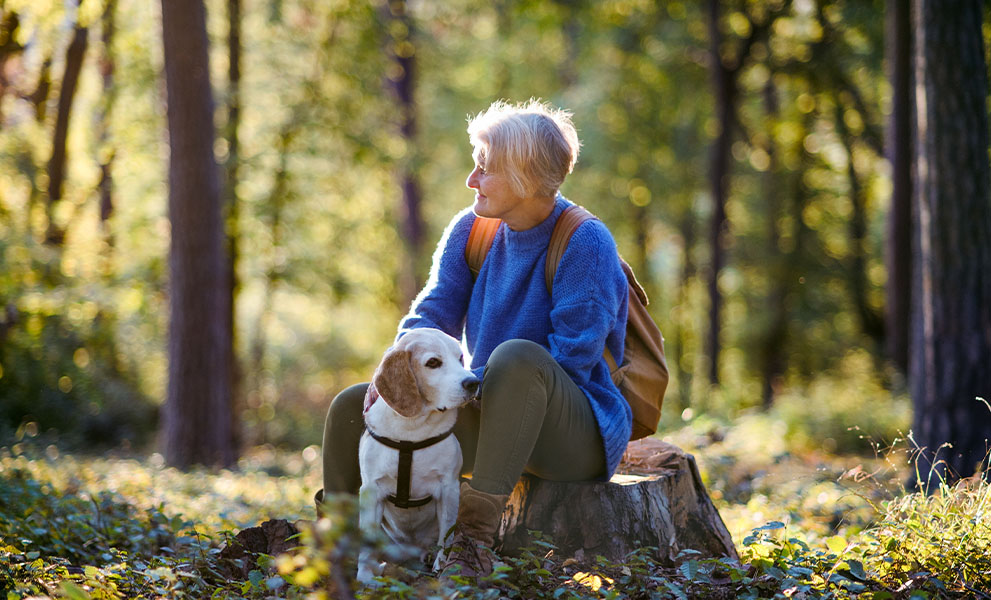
(156,532)
(65,380)
(936,541)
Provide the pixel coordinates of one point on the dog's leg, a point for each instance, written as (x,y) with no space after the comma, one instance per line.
(447,513)
(370,522)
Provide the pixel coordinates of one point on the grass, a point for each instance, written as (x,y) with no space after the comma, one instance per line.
(808,525)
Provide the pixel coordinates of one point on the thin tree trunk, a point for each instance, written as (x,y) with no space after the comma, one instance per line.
(104,145)
(56,165)
(402,85)
(39,97)
(688,270)
(197,411)
(725,93)
(951,321)
(572,28)
(232,204)
(898,255)
(502,75)
(773,361)
(10,21)
(871,321)
(276,202)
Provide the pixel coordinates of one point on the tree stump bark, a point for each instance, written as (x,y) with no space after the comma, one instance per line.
(272,537)
(658,501)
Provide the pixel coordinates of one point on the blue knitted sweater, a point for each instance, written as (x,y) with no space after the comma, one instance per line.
(509,300)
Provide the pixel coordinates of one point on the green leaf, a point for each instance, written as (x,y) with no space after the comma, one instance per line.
(73,591)
(689,569)
(857,569)
(256,577)
(836,543)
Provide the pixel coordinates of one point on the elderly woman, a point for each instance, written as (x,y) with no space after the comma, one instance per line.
(548,404)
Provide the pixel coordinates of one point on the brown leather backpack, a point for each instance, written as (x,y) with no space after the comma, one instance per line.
(643,376)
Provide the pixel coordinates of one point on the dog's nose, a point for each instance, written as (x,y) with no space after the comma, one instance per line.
(470,384)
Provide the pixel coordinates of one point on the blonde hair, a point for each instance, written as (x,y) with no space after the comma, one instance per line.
(531,143)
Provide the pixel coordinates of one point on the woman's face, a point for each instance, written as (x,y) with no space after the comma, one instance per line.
(494,196)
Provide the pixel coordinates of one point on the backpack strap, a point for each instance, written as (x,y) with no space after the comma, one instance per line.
(566,225)
(480,239)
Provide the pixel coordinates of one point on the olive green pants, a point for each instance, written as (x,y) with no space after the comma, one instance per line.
(533,419)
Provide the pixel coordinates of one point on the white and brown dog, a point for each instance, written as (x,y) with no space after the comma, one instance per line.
(409,460)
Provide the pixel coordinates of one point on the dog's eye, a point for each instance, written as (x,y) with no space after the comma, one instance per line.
(433,363)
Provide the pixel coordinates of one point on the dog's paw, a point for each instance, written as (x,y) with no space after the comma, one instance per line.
(365,575)
(439,561)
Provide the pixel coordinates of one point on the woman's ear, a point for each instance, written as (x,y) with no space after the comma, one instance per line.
(396,383)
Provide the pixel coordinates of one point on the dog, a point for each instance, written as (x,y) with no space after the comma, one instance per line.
(410,411)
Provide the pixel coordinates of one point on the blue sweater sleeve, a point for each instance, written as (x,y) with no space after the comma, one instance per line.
(443,301)
(589,300)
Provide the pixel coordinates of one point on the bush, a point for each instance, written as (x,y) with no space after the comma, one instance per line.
(155,532)
(67,384)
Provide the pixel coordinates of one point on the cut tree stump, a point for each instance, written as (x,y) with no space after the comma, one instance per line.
(273,537)
(658,500)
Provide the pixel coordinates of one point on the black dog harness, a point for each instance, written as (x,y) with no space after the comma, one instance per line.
(401,498)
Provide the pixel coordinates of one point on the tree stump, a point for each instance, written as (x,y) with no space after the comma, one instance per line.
(272,537)
(659,501)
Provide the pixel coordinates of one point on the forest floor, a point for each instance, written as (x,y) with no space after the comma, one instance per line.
(808,524)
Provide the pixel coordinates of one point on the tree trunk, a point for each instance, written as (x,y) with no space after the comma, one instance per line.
(684,370)
(898,256)
(724,81)
(10,21)
(104,148)
(255,395)
(56,165)
(232,206)
(197,411)
(951,320)
(39,97)
(667,508)
(871,320)
(772,353)
(401,83)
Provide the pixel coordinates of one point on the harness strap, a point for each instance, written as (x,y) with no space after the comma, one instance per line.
(401,498)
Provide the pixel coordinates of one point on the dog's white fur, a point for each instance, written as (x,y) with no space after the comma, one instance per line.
(421,382)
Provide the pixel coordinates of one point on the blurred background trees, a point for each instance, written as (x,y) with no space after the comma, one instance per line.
(739,151)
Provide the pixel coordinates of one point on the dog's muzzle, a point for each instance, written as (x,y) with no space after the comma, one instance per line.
(472,385)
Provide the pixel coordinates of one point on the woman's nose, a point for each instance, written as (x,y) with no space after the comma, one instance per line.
(472,180)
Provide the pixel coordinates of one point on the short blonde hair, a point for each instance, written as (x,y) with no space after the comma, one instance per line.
(532,143)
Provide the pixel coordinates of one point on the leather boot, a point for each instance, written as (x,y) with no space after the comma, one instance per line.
(469,547)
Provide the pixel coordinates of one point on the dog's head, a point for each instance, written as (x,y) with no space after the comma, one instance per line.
(424,372)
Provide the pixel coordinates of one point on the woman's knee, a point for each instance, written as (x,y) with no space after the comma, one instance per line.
(346,407)
(517,356)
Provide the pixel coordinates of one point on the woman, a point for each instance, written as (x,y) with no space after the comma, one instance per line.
(548,404)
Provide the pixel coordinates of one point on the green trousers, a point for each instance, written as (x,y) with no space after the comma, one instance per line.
(533,419)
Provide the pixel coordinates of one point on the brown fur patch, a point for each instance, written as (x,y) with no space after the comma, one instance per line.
(396,383)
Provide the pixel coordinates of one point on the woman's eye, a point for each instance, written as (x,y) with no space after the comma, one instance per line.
(433,363)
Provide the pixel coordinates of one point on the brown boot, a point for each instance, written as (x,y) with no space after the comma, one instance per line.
(469,547)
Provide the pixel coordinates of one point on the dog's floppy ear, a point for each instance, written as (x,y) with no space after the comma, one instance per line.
(396,383)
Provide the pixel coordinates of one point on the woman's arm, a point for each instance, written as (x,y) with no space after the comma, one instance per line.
(589,301)
(443,301)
